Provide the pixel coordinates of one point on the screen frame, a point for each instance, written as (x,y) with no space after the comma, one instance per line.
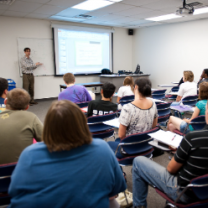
(84,74)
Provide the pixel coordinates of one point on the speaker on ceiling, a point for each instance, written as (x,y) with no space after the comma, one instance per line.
(130,31)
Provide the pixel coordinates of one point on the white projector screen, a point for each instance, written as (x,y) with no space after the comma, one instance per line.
(82,52)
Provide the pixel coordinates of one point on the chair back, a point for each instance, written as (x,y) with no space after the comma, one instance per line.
(198,123)
(102,118)
(163,118)
(126,99)
(83,104)
(5,176)
(137,143)
(175,89)
(158,94)
(199,186)
(103,134)
(163,109)
(190,100)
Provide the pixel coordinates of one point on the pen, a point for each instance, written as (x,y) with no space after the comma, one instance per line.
(173,138)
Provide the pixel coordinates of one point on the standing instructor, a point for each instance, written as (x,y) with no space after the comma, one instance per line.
(27,67)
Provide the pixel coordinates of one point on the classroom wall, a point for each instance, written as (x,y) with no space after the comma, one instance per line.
(166,51)
(48,86)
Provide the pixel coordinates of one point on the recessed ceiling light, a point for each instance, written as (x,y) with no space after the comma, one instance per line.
(201,11)
(163,17)
(92,5)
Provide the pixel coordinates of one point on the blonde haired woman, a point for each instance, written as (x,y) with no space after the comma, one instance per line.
(188,88)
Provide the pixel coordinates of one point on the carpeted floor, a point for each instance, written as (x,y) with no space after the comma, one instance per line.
(154,200)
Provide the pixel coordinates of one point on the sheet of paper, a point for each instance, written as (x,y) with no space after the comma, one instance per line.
(173,93)
(167,137)
(114,122)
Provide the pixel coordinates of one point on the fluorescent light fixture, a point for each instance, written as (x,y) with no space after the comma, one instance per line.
(92,5)
(163,17)
(201,11)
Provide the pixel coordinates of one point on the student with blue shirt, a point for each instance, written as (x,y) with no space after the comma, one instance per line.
(68,169)
(3,90)
(181,125)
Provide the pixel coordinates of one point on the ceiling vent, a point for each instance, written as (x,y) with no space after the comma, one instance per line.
(8,2)
(84,16)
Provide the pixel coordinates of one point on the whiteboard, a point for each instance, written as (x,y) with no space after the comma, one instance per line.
(41,51)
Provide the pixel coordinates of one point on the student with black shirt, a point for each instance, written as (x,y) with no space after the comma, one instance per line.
(190,161)
(103,106)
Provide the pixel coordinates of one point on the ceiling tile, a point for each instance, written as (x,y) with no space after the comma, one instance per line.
(92,21)
(97,13)
(68,19)
(114,24)
(20,6)
(123,20)
(133,11)
(108,17)
(71,12)
(151,24)
(65,3)
(149,14)
(36,1)
(138,22)
(117,7)
(37,15)
(14,14)
(162,4)
(49,9)
(138,2)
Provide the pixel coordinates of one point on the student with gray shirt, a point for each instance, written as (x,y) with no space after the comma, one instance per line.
(141,114)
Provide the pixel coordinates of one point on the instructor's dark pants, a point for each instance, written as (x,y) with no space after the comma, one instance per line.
(28,84)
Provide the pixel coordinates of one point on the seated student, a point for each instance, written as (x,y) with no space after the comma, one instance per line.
(127,89)
(184,166)
(74,93)
(187,88)
(103,106)
(141,114)
(204,76)
(181,125)
(67,169)
(3,89)
(17,126)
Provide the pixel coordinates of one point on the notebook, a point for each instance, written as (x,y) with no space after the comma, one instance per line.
(114,122)
(182,108)
(167,137)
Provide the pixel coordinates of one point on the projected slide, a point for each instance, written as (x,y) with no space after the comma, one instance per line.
(81,52)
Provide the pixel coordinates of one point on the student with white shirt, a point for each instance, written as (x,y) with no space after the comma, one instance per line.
(127,89)
(187,88)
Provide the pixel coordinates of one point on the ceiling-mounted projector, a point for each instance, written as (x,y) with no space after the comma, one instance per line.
(187,9)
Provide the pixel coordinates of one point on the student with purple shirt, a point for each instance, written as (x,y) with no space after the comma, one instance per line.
(74,93)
